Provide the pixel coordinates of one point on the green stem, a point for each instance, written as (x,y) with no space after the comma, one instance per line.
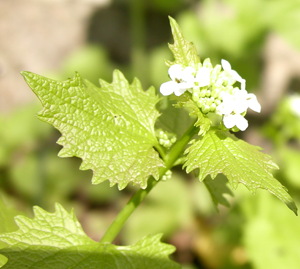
(140,195)
(160,150)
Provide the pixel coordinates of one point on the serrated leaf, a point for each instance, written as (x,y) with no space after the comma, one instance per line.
(57,241)
(110,128)
(221,152)
(184,52)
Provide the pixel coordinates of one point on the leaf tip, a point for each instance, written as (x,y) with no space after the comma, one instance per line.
(174,25)
(173,22)
(291,205)
(171,19)
(26,75)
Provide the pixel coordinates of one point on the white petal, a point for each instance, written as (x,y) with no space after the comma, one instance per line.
(229,121)
(168,88)
(188,74)
(235,120)
(239,102)
(243,84)
(190,70)
(225,95)
(240,106)
(253,103)
(241,122)
(242,92)
(226,108)
(185,85)
(228,104)
(179,91)
(236,76)
(175,71)
(226,65)
(203,76)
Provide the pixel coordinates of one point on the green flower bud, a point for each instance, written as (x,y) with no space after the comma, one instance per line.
(167,175)
(213,107)
(205,109)
(203,93)
(207,63)
(208,93)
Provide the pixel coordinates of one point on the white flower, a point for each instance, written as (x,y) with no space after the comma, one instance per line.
(181,79)
(253,103)
(227,67)
(238,102)
(222,98)
(203,76)
(237,120)
(234,105)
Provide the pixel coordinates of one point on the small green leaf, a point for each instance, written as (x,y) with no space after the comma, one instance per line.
(221,152)
(110,128)
(184,52)
(57,241)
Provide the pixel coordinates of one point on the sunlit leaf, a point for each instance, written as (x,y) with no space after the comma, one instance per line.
(221,152)
(110,128)
(57,241)
(184,52)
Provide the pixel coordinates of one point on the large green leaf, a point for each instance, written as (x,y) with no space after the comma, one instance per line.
(57,241)
(221,152)
(111,128)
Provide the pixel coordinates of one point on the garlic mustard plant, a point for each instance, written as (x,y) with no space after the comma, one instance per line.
(112,127)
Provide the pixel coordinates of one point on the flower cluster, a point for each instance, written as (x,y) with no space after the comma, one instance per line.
(164,138)
(212,90)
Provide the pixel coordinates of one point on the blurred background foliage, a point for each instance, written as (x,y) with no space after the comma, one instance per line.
(259,37)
